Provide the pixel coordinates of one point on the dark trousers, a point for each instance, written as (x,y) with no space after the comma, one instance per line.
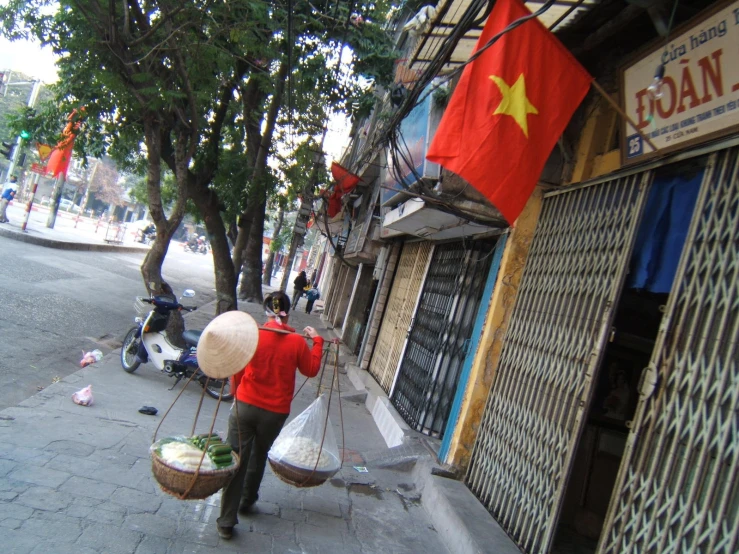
(297,293)
(259,429)
(309,306)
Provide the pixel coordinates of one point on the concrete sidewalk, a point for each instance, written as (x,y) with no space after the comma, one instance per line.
(69,233)
(78,479)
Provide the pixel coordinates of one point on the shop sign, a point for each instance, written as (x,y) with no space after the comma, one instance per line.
(700,90)
(38,168)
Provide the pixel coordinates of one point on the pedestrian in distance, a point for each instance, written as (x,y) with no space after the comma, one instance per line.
(263,392)
(300,283)
(312,295)
(9,191)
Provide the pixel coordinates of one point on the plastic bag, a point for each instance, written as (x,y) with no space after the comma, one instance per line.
(299,442)
(90,357)
(83,397)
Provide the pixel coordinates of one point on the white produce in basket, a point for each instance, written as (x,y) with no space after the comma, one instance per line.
(299,442)
(185,456)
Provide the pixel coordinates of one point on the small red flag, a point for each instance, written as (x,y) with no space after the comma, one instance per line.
(509,109)
(334,204)
(59,160)
(345,181)
(61,155)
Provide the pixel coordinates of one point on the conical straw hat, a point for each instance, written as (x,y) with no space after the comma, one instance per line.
(227,344)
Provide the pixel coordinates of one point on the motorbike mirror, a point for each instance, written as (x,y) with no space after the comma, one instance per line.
(188,293)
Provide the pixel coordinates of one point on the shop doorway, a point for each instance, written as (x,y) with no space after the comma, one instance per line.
(439,336)
(653,264)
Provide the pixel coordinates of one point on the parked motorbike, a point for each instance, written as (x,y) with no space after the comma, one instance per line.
(199,245)
(147,342)
(147,236)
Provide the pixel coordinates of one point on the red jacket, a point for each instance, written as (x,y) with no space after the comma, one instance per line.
(268,380)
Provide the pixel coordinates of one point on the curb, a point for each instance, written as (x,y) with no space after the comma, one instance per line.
(463,524)
(63,245)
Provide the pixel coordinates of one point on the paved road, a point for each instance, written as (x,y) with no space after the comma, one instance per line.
(57,303)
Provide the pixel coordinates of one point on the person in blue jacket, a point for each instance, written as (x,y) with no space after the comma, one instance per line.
(312,295)
(7,195)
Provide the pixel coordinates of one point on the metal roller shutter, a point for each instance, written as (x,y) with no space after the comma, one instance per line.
(678,486)
(543,384)
(399,312)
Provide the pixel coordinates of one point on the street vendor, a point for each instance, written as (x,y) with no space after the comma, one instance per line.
(263,392)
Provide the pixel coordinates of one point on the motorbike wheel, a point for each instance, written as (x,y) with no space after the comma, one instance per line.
(128,351)
(213,389)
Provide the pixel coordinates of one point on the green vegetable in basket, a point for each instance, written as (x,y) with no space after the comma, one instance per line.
(219,449)
(201,441)
(222,459)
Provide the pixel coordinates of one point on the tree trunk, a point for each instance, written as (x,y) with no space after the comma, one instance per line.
(244,227)
(232,232)
(267,276)
(225,278)
(151,269)
(295,243)
(251,278)
(303,217)
(56,196)
(258,193)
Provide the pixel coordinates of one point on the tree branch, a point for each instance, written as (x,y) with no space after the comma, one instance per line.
(157,25)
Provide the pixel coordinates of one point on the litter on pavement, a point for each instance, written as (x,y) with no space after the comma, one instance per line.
(90,357)
(83,397)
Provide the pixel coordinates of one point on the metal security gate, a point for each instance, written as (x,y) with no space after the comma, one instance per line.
(407,283)
(439,338)
(543,384)
(678,486)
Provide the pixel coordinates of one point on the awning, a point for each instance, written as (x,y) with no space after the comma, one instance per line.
(449,13)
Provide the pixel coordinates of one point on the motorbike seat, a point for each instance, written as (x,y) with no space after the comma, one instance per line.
(191,337)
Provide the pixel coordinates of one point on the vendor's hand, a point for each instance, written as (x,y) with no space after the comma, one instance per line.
(310,332)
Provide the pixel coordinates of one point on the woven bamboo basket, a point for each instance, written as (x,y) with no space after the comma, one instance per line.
(177,481)
(301,476)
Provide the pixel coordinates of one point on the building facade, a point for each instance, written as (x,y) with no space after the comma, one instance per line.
(578,368)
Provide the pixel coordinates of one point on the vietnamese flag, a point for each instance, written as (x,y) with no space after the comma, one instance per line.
(509,109)
(345,181)
(59,159)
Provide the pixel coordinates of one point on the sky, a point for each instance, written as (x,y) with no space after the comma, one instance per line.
(33,60)
(29,58)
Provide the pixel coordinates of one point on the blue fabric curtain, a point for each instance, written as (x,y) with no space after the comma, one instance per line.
(664,227)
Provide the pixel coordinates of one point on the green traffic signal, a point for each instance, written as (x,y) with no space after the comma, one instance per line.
(25,135)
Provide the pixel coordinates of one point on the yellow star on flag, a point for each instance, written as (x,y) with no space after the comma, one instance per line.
(514,102)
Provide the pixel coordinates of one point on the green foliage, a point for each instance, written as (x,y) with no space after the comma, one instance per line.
(136,185)
(178,62)
(281,242)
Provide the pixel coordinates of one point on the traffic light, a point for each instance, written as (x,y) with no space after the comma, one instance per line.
(25,135)
(7,150)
